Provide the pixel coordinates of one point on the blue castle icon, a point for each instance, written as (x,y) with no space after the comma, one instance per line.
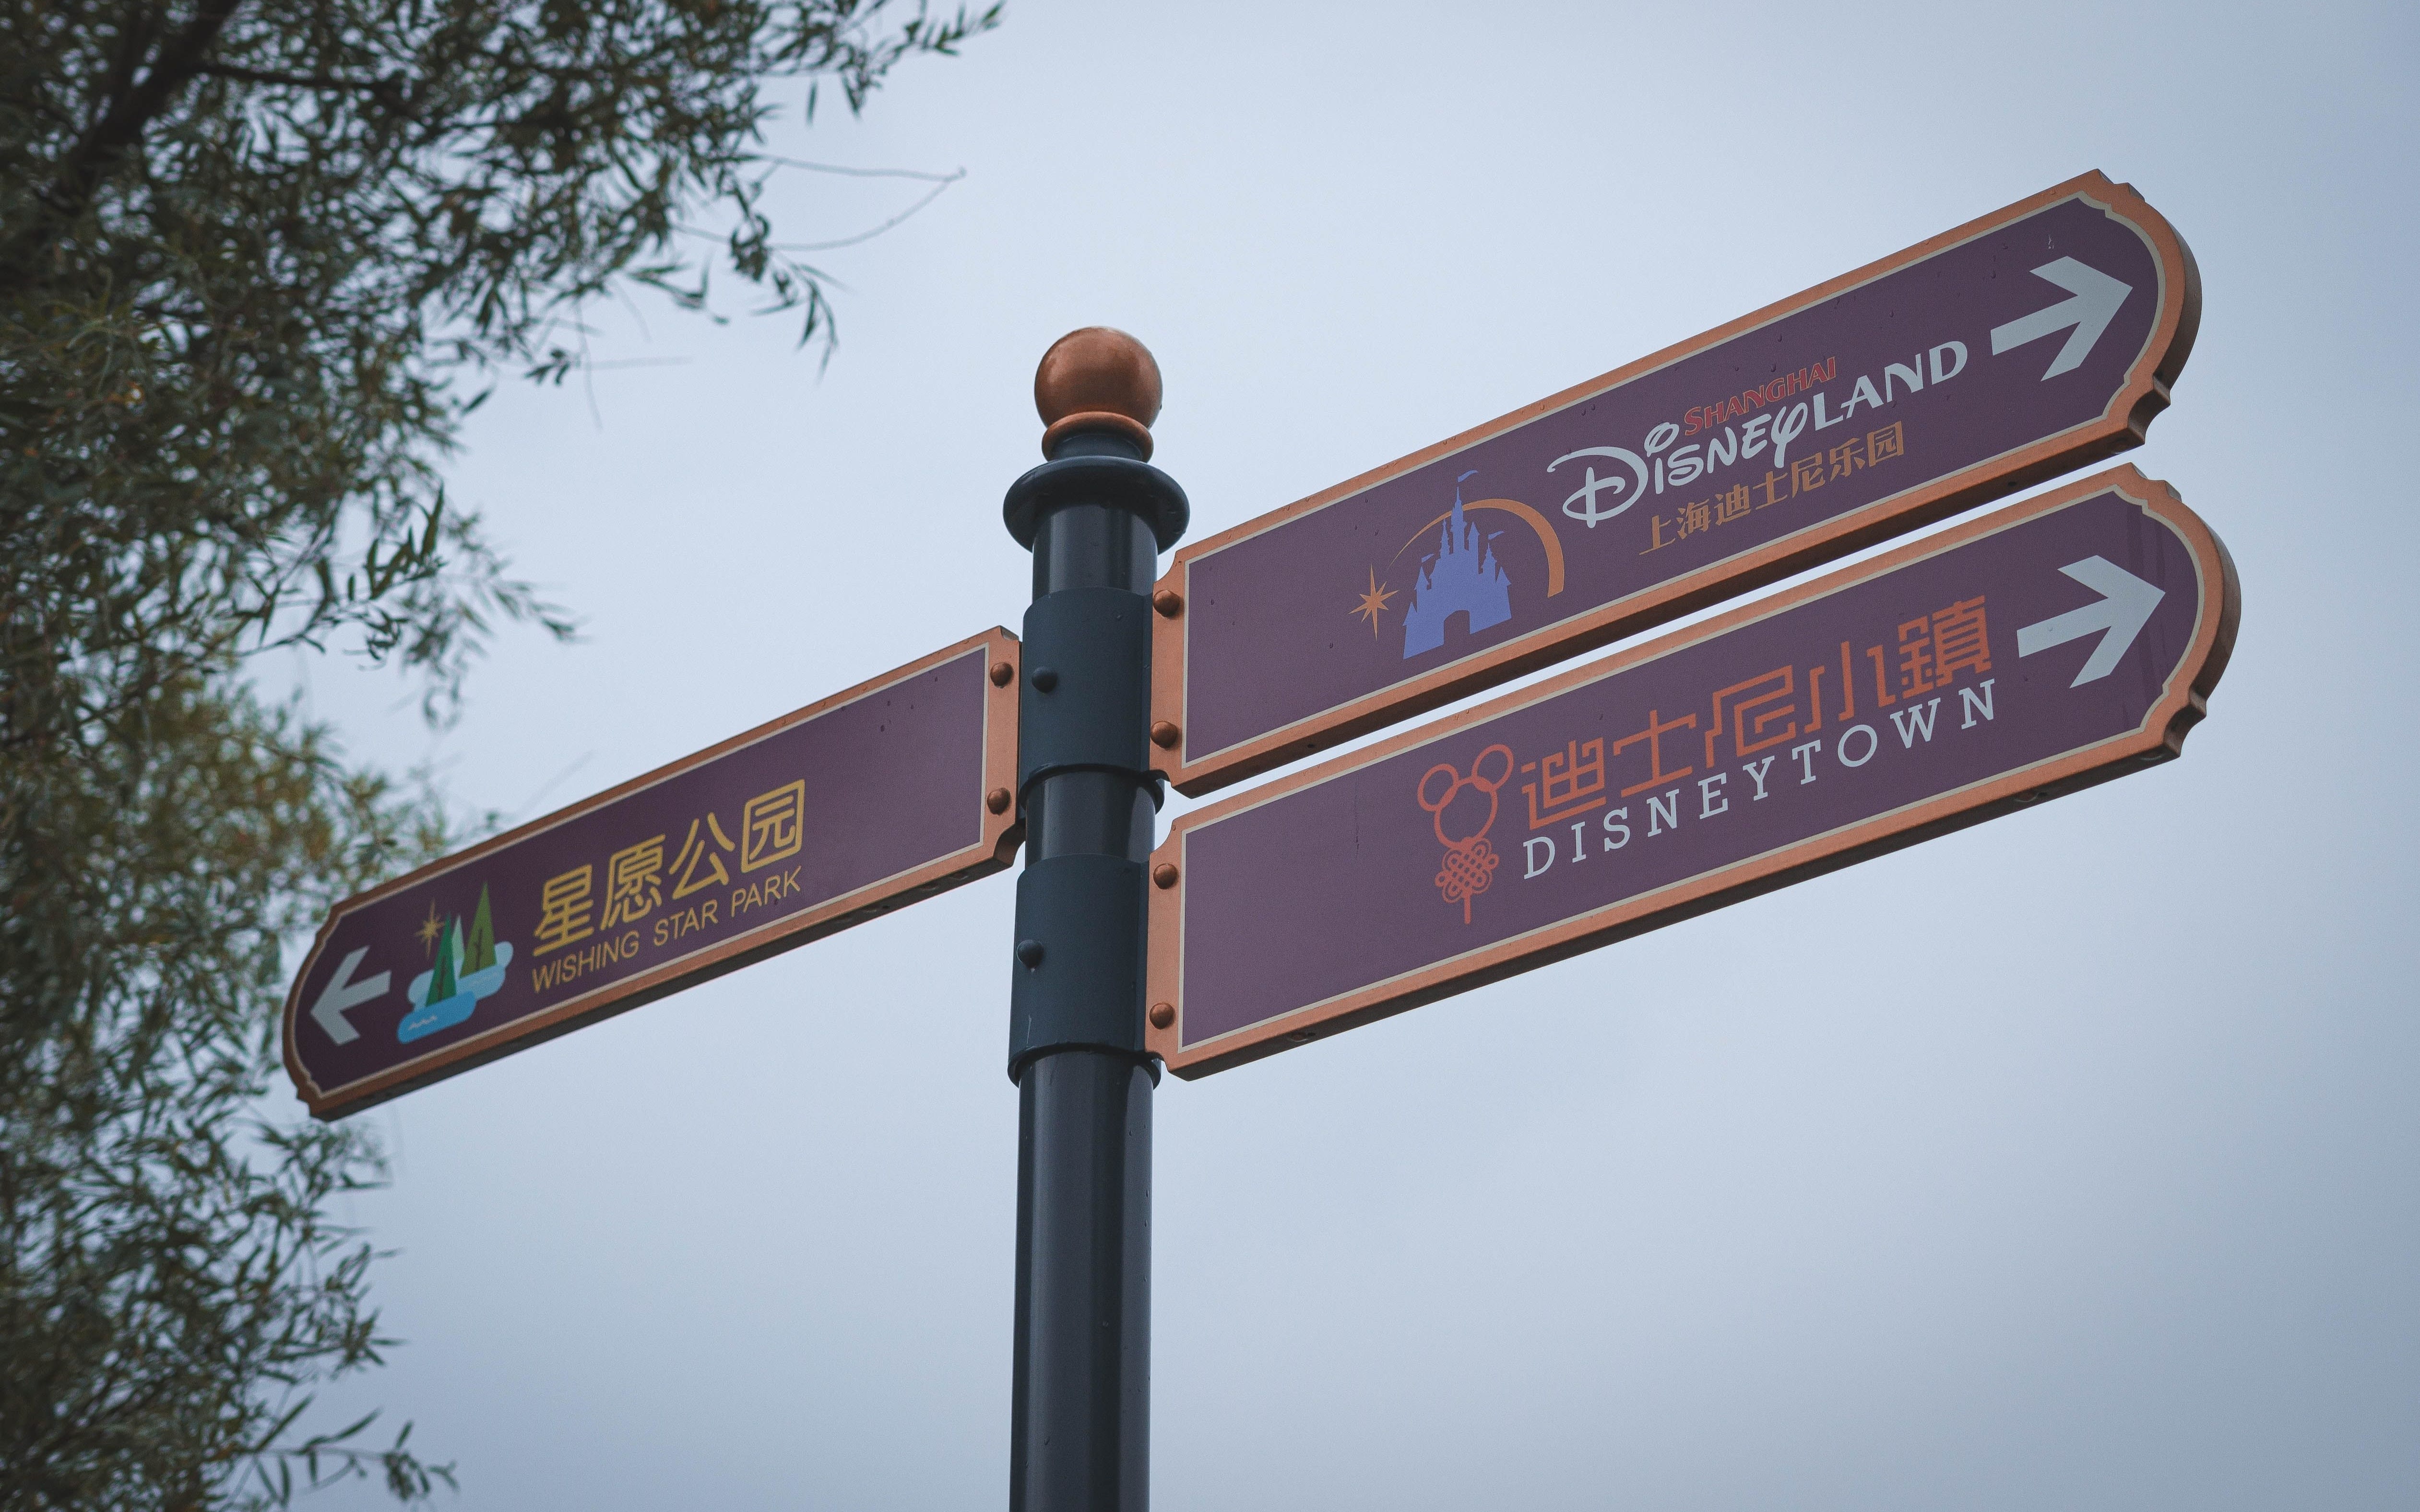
(1462,577)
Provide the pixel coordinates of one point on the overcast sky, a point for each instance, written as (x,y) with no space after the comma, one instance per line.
(2066,1161)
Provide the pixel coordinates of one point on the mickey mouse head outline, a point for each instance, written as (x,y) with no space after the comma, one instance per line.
(1470,862)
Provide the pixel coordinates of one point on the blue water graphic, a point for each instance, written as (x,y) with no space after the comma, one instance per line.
(427,1018)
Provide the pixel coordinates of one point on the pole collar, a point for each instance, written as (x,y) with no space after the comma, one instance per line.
(1119,481)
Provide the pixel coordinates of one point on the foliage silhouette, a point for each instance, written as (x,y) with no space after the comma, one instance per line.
(259,258)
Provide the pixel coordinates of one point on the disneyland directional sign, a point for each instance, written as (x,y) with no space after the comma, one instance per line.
(2005,352)
(2047,646)
(893,791)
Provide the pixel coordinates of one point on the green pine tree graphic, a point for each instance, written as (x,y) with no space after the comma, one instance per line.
(483,937)
(441,985)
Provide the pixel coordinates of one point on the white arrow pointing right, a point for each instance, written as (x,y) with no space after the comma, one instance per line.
(342,993)
(2126,604)
(2095,301)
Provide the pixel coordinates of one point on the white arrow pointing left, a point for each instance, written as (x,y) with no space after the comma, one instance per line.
(342,993)
(2126,604)
(2095,301)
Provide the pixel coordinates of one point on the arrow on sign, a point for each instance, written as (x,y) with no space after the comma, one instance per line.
(2126,604)
(342,993)
(2095,301)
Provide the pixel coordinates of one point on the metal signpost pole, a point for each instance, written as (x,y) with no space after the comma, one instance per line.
(1097,517)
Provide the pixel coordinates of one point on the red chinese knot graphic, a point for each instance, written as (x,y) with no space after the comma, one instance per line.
(1470,862)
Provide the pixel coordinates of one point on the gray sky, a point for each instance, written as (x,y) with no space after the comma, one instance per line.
(2066,1161)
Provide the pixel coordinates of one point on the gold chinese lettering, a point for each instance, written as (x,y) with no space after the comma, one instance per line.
(772,825)
(634,882)
(697,867)
(563,909)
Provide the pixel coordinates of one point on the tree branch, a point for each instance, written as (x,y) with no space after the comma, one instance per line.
(294,81)
(87,165)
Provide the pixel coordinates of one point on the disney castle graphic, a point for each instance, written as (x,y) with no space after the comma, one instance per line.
(1462,577)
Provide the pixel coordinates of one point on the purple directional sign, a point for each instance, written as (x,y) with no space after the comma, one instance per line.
(2050,645)
(2005,352)
(893,791)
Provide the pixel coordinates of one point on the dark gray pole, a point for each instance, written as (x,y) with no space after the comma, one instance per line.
(1096,515)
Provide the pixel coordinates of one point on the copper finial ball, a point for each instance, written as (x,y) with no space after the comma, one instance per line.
(1097,378)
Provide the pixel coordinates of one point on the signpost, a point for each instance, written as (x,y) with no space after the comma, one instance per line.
(2040,649)
(2012,349)
(2056,644)
(895,790)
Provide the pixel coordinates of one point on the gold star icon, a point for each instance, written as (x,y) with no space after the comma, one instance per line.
(1373,602)
(429,928)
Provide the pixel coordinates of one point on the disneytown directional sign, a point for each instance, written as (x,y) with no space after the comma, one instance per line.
(2054,643)
(2048,646)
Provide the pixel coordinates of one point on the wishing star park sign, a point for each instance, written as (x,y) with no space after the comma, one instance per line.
(2005,352)
(2045,647)
(890,792)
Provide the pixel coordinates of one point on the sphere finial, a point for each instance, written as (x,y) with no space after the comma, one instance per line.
(1097,378)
